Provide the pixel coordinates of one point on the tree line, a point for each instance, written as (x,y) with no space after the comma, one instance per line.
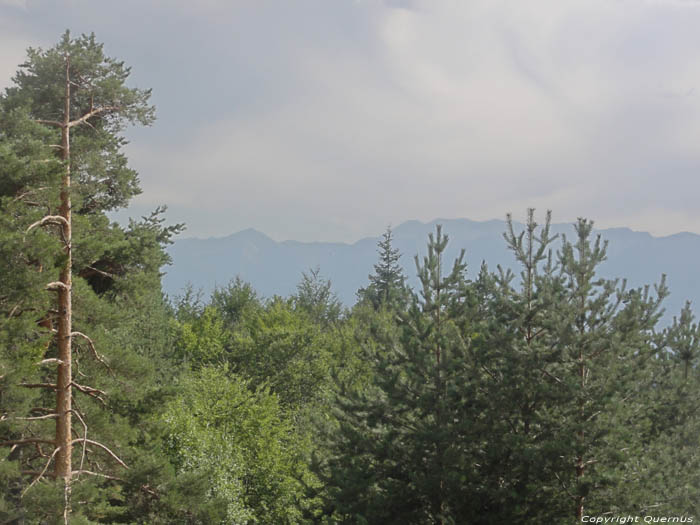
(541,395)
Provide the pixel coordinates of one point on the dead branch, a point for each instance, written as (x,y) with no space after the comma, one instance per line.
(36,418)
(41,409)
(52,361)
(25,441)
(598,352)
(41,475)
(76,369)
(50,122)
(14,309)
(40,451)
(151,492)
(88,389)
(28,192)
(593,415)
(92,392)
(99,474)
(91,114)
(103,447)
(91,345)
(56,286)
(38,385)
(85,122)
(82,457)
(56,220)
(102,272)
(551,376)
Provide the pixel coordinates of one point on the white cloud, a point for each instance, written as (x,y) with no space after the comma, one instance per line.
(320,119)
(12,53)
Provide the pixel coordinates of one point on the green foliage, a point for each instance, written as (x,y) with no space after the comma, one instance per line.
(525,400)
(400,454)
(202,340)
(387,286)
(525,397)
(236,301)
(241,440)
(315,297)
(116,282)
(284,349)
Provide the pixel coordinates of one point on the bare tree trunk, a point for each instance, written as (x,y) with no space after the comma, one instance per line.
(63,467)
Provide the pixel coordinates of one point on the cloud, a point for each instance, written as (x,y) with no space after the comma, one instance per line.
(22,4)
(12,52)
(329,120)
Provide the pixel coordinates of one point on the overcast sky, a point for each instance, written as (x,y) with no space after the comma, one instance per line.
(330,119)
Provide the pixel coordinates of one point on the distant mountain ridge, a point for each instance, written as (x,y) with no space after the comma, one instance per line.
(275,267)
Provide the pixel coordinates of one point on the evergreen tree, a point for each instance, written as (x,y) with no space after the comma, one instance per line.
(665,476)
(316,297)
(61,126)
(571,356)
(513,358)
(606,343)
(388,284)
(403,450)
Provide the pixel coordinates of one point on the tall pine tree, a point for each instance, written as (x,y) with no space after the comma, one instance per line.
(403,454)
(61,130)
(387,285)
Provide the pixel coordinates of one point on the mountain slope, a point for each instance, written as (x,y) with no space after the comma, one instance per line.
(275,267)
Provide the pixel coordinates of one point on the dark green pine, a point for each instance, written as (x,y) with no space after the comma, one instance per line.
(387,285)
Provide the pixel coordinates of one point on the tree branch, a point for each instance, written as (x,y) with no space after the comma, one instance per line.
(102,272)
(36,418)
(93,113)
(38,385)
(51,361)
(25,441)
(49,219)
(551,376)
(28,192)
(49,122)
(12,312)
(91,344)
(92,392)
(103,447)
(41,474)
(56,286)
(99,474)
(82,457)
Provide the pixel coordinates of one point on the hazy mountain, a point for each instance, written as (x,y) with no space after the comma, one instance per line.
(275,267)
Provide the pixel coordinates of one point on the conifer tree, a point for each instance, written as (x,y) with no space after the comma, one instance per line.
(607,341)
(388,284)
(684,340)
(577,355)
(666,463)
(514,382)
(403,451)
(316,297)
(69,105)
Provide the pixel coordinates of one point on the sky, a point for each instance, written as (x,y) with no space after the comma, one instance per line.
(331,119)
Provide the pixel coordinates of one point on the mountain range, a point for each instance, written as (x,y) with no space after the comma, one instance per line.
(276,267)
